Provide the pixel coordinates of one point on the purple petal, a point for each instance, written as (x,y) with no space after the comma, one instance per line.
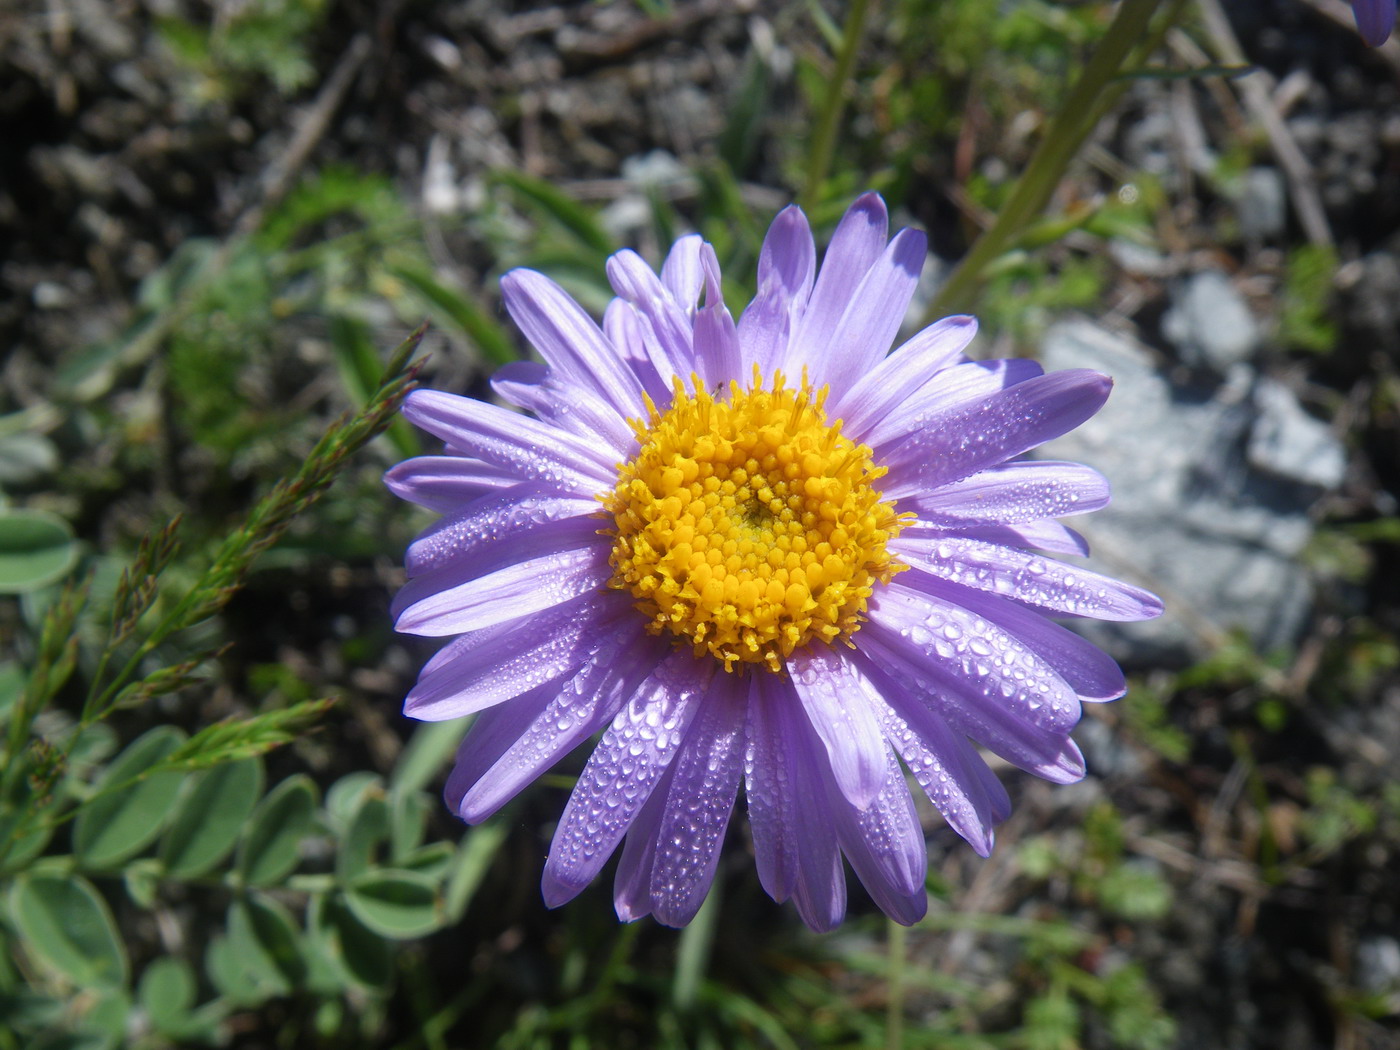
(634,338)
(968,709)
(1374,20)
(621,773)
(511,745)
(682,273)
(842,706)
(699,802)
(860,237)
(569,340)
(484,521)
(793,836)
(959,386)
(436,604)
(873,395)
(945,765)
(952,444)
(535,451)
(1088,670)
(786,265)
(446,483)
(866,330)
(717,355)
(532,386)
(976,658)
(491,734)
(1048,536)
(633,280)
(886,847)
(1027,577)
(476,672)
(632,884)
(1014,494)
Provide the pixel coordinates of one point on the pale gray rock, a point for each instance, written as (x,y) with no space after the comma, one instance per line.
(1192,518)
(1263,204)
(1287,442)
(1210,323)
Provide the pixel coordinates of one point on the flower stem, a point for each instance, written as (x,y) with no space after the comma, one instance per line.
(1096,89)
(894,1002)
(824,140)
(693,952)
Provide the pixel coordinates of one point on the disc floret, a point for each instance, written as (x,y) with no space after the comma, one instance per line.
(749,525)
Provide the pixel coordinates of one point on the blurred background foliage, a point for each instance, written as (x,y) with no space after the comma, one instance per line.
(216,828)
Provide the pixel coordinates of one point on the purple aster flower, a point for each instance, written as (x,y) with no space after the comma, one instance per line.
(768,552)
(1374,20)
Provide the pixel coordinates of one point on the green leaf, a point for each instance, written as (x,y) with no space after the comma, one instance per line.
(397,904)
(357,358)
(130,806)
(426,753)
(270,849)
(23,1009)
(474,858)
(26,457)
(232,974)
(409,823)
(36,549)
(1135,891)
(106,1017)
(364,958)
(142,881)
(433,860)
(210,817)
(368,828)
(466,316)
(267,943)
(236,738)
(166,993)
(67,924)
(12,680)
(345,797)
(18,856)
(553,202)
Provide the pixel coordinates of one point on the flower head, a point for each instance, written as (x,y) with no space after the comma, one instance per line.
(769,552)
(1374,20)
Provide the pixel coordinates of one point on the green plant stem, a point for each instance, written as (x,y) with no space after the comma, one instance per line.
(824,140)
(267,521)
(894,1002)
(1097,88)
(693,952)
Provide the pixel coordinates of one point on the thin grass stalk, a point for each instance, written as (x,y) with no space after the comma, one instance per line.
(1097,88)
(833,105)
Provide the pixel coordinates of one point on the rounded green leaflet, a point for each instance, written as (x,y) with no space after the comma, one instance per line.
(345,797)
(36,549)
(268,942)
(210,817)
(364,958)
(434,860)
(65,922)
(26,848)
(398,904)
(271,845)
(231,975)
(129,807)
(368,828)
(166,992)
(409,823)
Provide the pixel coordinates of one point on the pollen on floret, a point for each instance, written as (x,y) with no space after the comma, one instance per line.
(749,526)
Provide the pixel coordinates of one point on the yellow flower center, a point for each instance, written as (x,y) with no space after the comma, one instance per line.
(750,526)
